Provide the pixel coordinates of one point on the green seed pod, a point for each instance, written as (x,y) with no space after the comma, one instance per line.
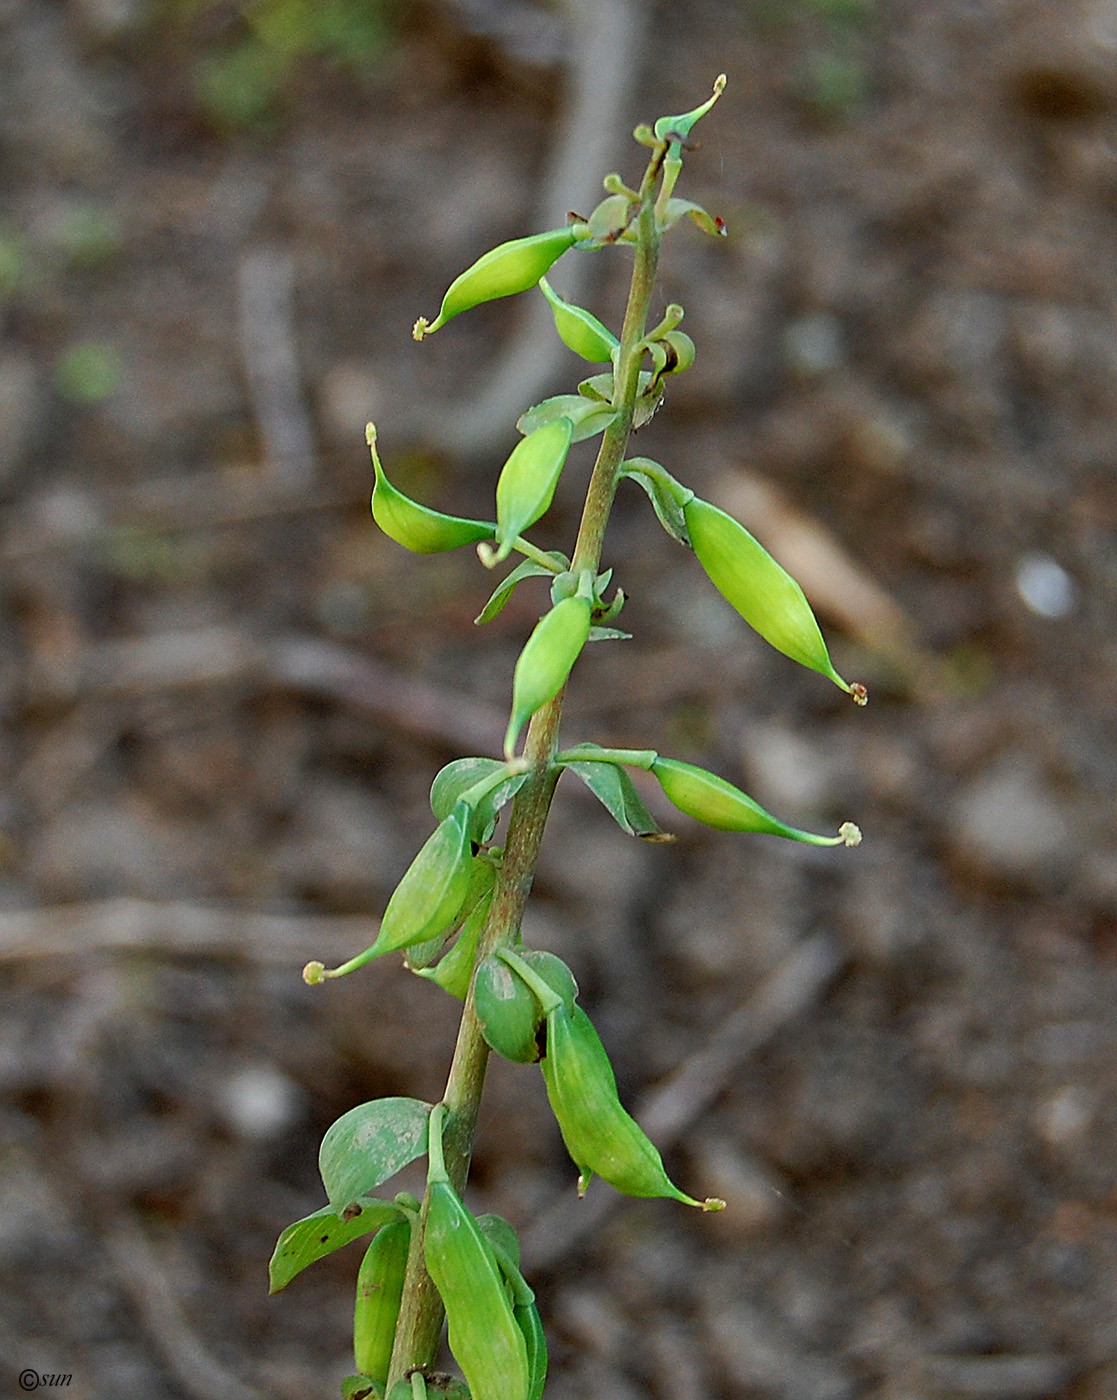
(429,897)
(415,526)
(763,592)
(546,661)
(528,479)
(512,267)
(580,330)
(484,1338)
(454,971)
(712,800)
(535,1344)
(599,1134)
(509,1013)
(379,1290)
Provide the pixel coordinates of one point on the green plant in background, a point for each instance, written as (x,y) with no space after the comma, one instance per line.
(457,912)
(832,75)
(249,66)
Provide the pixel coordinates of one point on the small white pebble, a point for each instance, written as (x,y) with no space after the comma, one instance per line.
(1045,586)
(259,1101)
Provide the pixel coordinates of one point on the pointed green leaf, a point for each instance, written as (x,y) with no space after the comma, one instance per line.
(546,661)
(321,1233)
(587,416)
(664,492)
(369,1144)
(617,793)
(454,971)
(507,586)
(680,208)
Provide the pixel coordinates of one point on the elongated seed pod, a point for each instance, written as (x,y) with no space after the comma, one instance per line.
(546,661)
(579,329)
(761,590)
(415,526)
(506,1246)
(601,1137)
(379,1290)
(527,480)
(428,898)
(712,800)
(509,268)
(484,1337)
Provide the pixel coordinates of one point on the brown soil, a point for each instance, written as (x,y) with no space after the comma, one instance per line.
(226,695)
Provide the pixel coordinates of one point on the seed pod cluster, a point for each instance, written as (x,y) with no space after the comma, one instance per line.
(484,1335)
(503,271)
(379,1290)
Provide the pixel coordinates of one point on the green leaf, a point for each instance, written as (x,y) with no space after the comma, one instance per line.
(320,1234)
(665,494)
(617,793)
(680,208)
(507,586)
(369,1144)
(456,779)
(588,417)
(598,387)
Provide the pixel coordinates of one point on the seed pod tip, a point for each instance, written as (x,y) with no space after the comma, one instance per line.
(314,973)
(859,693)
(713,1204)
(850,834)
(421,328)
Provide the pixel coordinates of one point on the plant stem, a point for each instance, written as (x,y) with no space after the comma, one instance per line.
(420,1320)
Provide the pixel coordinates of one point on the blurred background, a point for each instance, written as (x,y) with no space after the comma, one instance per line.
(225,693)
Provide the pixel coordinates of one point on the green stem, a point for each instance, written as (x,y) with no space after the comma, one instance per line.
(420,1322)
